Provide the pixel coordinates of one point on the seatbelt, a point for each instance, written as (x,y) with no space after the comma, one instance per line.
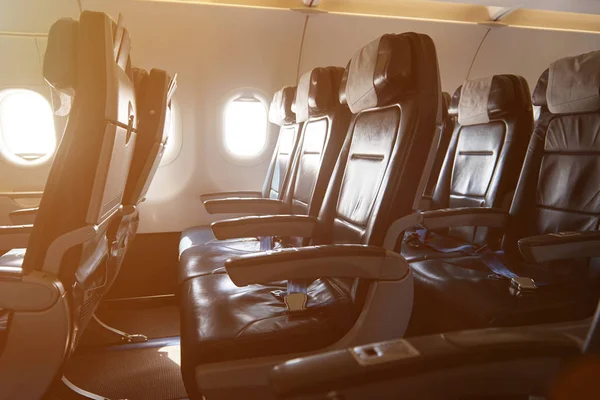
(419,236)
(488,257)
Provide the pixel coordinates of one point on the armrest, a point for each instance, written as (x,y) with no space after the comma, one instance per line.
(267,225)
(14,236)
(224,195)
(350,261)
(386,369)
(560,246)
(239,205)
(23,216)
(446,218)
(35,291)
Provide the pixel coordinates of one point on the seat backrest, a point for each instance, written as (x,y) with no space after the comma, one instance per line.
(392,88)
(558,187)
(494,121)
(280,113)
(154,92)
(440,153)
(88,59)
(324,126)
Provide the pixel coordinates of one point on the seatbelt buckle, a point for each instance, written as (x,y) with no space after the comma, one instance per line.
(296,297)
(135,338)
(412,240)
(523,284)
(295,302)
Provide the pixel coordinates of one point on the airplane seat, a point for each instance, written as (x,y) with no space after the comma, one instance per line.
(51,288)
(437,158)
(324,125)
(494,121)
(281,114)
(154,91)
(235,326)
(548,270)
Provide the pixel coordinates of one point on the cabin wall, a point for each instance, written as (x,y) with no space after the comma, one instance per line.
(24,26)
(218,49)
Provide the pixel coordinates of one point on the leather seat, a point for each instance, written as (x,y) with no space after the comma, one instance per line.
(324,125)
(51,288)
(280,113)
(392,88)
(482,164)
(557,192)
(439,155)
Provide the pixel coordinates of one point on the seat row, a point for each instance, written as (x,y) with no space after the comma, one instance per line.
(70,254)
(383,192)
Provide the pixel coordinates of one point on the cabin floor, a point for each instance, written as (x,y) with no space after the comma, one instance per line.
(107,366)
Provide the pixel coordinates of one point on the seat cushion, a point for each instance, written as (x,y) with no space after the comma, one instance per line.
(462,293)
(195,236)
(222,322)
(414,250)
(209,258)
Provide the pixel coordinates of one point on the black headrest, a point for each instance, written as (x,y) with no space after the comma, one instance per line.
(574,84)
(60,60)
(538,98)
(317,92)
(280,111)
(478,101)
(378,73)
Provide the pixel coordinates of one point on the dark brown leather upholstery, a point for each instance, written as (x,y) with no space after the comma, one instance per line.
(321,138)
(482,164)
(374,181)
(289,135)
(557,192)
(441,151)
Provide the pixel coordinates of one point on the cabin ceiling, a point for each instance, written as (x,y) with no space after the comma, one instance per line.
(34,17)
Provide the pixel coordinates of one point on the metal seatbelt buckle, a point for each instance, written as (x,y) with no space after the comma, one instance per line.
(135,338)
(295,302)
(523,284)
(296,297)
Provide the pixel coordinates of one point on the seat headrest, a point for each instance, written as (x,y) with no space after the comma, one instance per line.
(280,111)
(60,60)
(478,101)
(317,92)
(574,84)
(378,73)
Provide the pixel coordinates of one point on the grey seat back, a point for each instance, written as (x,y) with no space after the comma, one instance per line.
(88,59)
(154,92)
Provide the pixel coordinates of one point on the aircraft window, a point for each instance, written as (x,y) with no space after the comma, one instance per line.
(27,134)
(246,126)
(174,132)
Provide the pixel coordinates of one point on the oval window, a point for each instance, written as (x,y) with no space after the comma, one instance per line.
(246,127)
(27,134)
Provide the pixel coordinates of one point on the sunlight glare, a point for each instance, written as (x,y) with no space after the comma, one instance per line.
(245,127)
(173,352)
(26,125)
